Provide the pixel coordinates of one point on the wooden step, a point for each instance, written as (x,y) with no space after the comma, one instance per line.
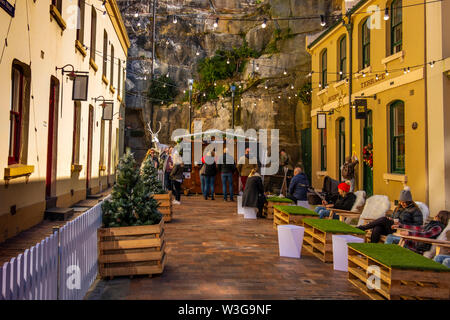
(56,213)
(95,196)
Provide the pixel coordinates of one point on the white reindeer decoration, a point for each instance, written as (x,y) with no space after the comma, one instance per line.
(159,147)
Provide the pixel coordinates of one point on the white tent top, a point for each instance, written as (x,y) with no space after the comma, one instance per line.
(217,133)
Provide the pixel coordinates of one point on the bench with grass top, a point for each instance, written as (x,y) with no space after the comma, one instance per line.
(274,201)
(291,215)
(393,272)
(318,236)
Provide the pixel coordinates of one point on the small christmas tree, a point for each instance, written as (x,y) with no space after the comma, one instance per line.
(130,204)
(149,177)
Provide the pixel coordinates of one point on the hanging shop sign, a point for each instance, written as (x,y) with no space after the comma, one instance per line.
(8,7)
(80,87)
(108,110)
(360,108)
(321,121)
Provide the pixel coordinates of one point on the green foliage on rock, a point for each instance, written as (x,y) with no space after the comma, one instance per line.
(163,89)
(130,204)
(304,94)
(216,70)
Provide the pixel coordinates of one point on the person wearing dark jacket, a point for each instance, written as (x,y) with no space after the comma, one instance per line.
(407,213)
(176,177)
(253,196)
(345,201)
(299,186)
(210,175)
(431,230)
(227,168)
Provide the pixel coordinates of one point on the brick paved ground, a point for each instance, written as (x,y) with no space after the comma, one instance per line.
(215,254)
(16,245)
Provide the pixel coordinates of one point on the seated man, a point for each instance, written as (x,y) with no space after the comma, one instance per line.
(344,202)
(298,186)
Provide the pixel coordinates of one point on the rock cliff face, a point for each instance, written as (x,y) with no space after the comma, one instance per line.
(179,46)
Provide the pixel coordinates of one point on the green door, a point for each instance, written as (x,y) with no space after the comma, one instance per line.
(306,151)
(341,145)
(368,139)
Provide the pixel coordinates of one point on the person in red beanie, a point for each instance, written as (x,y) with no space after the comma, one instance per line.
(345,201)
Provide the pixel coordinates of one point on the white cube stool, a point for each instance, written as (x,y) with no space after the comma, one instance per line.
(290,240)
(240,210)
(303,204)
(249,213)
(340,250)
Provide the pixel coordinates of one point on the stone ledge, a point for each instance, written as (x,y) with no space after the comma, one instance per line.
(392,57)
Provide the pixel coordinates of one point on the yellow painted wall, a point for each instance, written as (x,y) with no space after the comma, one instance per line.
(409,87)
(50,47)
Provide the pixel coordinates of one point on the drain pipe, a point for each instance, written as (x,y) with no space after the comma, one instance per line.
(349,27)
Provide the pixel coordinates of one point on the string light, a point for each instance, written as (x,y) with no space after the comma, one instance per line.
(257,67)
(136,15)
(404,70)
(167,75)
(432,64)
(175,19)
(376,77)
(285,72)
(264,24)
(408,70)
(364,74)
(387,72)
(386,14)
(216,23)
(103,4)
(228,61)
(292,87)
(322,20)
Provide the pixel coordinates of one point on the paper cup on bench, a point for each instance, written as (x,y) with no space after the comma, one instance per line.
(340,250)
(249,213)
(240,210)
(290,240)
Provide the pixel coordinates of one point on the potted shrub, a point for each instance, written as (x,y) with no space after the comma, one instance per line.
(152,185)
(131,241)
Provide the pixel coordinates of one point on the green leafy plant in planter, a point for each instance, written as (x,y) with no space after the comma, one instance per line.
(130,203)
(149,178)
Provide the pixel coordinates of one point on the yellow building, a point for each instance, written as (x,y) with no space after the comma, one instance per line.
(397,50)
(55,150)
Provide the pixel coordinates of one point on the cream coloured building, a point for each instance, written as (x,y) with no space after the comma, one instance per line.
(54,150)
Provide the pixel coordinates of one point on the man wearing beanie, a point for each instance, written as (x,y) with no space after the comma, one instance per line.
(406,214)
(344,202)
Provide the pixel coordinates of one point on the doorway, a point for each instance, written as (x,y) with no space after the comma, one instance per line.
(306,151)
(89,148)
(368,139)
(341,145)
(52,125)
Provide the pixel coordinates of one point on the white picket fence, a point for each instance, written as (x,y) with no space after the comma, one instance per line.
(62,266)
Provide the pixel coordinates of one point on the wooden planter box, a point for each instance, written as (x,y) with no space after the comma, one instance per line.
(291,215)
(165,205)
(318,239)
(396,282)
(129,251)
(268,208)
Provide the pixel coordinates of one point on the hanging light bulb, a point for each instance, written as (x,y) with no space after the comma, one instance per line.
(279,97)
(292,86)
(164,85)
(404,70)
(285,72)
(136,15)
(216,23)
(103,4)
(175,19)
(204,94)
(340,73)
(408,70)
(257,67)
(432,64)
(376,77)
(364,74)
(197,53)
(139,24)
(162,102)
(322,20)
(184,91)
(104,13)
(264,24)
(387,72)
(228,61)
(320,85)
(215,84)
(386,14)
(167,42)
(265,87)
(167,75)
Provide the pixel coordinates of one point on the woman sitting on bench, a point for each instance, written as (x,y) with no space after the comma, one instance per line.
(344,202)
(406,213)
